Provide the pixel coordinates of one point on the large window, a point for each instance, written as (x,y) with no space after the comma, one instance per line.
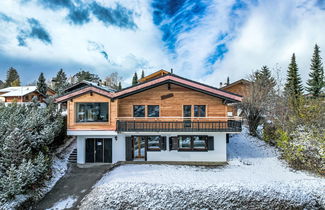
(199,111)
(193,143)
(91,112)
(139,111)
(153,110)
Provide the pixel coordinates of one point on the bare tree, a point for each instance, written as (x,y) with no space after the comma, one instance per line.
(258,103)
(113,80)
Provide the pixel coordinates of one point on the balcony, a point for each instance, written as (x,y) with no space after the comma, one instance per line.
(179,126)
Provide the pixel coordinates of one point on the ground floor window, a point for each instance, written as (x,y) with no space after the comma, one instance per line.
(192,143)
(154,143)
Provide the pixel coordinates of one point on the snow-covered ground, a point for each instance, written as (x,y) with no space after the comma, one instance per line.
(255,178)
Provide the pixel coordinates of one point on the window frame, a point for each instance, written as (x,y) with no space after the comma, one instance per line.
(144,111)
(85,103)
(192,148)
(153,149)
(148,111)
(205,110)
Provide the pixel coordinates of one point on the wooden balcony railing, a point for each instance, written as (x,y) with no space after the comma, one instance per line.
(178,126)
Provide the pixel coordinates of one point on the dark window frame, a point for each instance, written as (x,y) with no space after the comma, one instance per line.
(153,149)
(149,110)
(77,104)
(144,111)
(192,148)
(198,113)
(189,110)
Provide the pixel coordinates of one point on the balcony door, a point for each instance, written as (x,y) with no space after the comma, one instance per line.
(139,148)
(187,114)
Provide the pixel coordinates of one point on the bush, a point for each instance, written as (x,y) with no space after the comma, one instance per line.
(26,133)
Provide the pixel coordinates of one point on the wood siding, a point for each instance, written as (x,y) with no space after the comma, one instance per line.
(172,106)
(110,125)
(240,88)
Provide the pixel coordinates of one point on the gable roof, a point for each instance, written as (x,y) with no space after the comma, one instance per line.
(243,81)
(18,91)
(154,75)
(166,79)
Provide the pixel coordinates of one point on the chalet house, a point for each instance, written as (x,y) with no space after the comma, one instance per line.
(21,94)
(240,87)
(163,118)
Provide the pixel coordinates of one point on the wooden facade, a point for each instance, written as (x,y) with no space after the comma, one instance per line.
(169,97)
(240,87)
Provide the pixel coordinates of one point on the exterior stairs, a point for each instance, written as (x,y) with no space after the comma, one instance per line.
(73,156)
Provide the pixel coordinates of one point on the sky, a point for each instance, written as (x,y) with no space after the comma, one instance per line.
(203,40)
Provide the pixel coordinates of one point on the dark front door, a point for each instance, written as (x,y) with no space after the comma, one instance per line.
(99,150)
(90,150)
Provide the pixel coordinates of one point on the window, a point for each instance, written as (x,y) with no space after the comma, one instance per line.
(153,143)
(139,111)
(187,110)
(92,112)
(193,143)
(199,110)
(185,142)
(200,142)
(153,110)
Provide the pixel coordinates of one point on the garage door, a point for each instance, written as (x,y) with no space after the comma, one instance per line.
(99,150)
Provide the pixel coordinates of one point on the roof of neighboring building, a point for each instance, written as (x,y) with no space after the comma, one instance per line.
(166,79)
(154,75)
(243,81)
(18,91)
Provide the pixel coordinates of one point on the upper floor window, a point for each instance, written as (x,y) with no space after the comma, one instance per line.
(139,111)
(187,110)
(153,110)
(91,112)
(199,111)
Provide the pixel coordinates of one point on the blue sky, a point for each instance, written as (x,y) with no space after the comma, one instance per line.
(205,40)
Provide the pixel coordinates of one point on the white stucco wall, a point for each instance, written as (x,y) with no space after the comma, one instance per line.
(219,154)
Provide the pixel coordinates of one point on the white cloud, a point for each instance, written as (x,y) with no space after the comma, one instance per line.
(273,31)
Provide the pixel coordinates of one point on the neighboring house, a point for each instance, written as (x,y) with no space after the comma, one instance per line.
(240,87)
(167,118)
(154,75)
(22,94)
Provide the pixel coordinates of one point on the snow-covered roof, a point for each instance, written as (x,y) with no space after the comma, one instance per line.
(8,89)
(18,91)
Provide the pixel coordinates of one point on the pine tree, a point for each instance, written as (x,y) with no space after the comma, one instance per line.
(12,77)
(265,75)
(86,75)
(60,82)
(316,75)
(41,85)
(119,86)
(142,74)
(293,87)
(135,79)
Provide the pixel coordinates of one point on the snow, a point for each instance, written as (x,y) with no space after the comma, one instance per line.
(18,91)
(64,204)
(254,178)
(59,168)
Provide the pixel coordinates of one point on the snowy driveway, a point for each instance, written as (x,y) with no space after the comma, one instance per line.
(255,178)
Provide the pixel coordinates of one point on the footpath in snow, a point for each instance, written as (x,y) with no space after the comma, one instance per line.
(255,178)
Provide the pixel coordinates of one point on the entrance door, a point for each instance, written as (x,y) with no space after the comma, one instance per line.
(139,148)
(99,150)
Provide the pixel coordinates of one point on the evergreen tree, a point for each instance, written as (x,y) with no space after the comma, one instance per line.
(316,76)
(142,74)
(135,79)
(265,75)
(1,84)
(12,78)
(41,85)
(228,81)
(86,75)
(119,86)
(60,82)
(293,87)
